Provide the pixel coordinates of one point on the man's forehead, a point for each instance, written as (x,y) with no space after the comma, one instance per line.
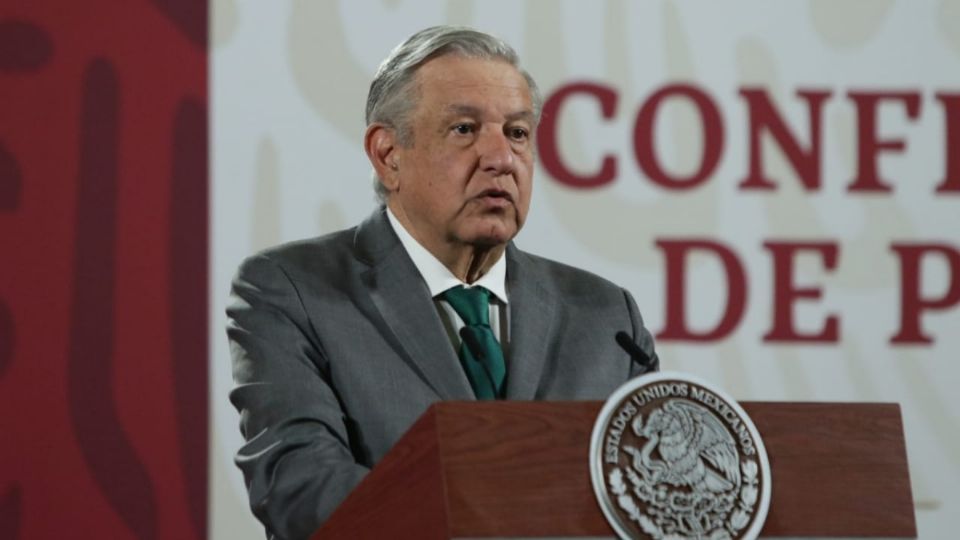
(454,71)
(453,85)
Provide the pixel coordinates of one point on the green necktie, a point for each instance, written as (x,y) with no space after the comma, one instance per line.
(486,374)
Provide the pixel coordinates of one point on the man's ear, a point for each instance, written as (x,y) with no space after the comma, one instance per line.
(380,143)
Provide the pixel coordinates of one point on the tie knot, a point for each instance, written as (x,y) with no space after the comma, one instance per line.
(472,305)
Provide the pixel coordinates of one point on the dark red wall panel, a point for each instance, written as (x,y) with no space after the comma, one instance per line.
(103,270)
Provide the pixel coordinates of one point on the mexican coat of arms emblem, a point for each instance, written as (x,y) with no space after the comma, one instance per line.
(674,458)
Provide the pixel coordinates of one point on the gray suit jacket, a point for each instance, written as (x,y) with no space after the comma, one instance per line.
(338,348)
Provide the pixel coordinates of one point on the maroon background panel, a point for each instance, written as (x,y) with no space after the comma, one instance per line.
(103,272)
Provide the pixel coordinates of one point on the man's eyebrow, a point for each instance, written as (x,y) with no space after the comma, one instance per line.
(521,115)
(458,109)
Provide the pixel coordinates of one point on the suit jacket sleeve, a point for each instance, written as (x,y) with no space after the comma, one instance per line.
(297,461)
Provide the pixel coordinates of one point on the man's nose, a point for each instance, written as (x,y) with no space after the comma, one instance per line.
(496,153)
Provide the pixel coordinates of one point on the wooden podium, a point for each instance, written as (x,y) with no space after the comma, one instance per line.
(521,469)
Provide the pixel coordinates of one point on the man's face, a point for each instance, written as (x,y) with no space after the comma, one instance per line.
(466,179)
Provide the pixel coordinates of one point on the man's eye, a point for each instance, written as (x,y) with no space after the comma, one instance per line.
(463,129)
(518,134)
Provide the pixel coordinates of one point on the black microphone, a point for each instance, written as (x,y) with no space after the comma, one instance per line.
(637,354)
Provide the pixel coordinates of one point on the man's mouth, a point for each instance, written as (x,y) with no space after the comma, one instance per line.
(495,197)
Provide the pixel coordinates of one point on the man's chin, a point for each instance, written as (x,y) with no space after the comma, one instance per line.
(491,235)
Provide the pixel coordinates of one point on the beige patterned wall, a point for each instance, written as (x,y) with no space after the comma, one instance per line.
(289,81)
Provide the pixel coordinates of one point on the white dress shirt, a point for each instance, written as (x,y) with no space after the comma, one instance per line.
(439,279)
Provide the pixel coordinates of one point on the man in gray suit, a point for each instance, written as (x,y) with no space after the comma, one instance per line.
(340,342)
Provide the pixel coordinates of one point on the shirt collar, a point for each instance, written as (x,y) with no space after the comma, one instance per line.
(438,277)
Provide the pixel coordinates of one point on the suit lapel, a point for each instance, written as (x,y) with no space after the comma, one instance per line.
(532,310)
(408,313)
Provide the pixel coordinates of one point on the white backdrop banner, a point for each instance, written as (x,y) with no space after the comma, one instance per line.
(777,183)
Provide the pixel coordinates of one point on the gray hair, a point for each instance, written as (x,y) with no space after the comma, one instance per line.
(393,94)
